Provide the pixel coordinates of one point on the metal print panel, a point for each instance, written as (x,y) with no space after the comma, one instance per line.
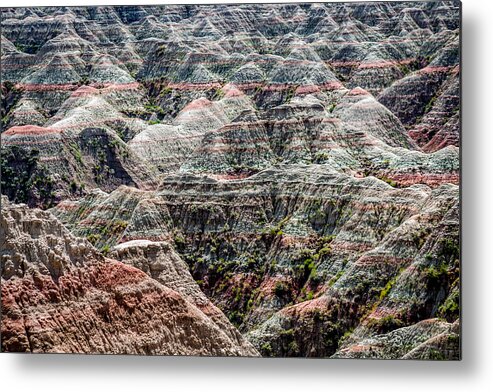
(265,180)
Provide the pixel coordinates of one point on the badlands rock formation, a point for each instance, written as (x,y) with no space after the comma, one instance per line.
(284,177)
(59,294)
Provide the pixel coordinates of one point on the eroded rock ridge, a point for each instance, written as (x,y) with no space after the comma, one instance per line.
(232,179)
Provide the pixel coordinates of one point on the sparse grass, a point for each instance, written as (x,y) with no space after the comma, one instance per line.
(385,292)
(290,93)
(336,277)
(430,104)
(179,240)
(389,181)
(419,238)
(75,151)
(150,108)
(24,179)
(217,94)
(346,335)
(450,309)
(320,157)
(93,238)
(436,275)
(385,324)
(436,355)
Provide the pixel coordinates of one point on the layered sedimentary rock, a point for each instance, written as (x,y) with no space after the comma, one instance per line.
(162,263)
(347,252)
(428,339)
(59,294)
(293,168)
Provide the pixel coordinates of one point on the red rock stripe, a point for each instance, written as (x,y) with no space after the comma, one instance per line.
(215,62)
(429,179)
(31,130)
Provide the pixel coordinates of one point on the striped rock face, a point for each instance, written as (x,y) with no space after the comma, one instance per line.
(80,301)
(280,180)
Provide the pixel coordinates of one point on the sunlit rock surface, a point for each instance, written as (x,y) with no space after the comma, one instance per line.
(232,179)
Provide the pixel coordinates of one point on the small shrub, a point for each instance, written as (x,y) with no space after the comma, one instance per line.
(320,157)
(179,241)
(289,333)
(266,349)
(293,347)
(73,186)
(336,277)
(436,355)
(385,324)
(75,151)
(430,104)
(450,309)
(387,288)
(93,238)
(436,276)
(450,250)
(105,249)
(280,289)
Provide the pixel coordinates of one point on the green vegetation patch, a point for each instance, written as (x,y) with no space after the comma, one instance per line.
(25,179)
